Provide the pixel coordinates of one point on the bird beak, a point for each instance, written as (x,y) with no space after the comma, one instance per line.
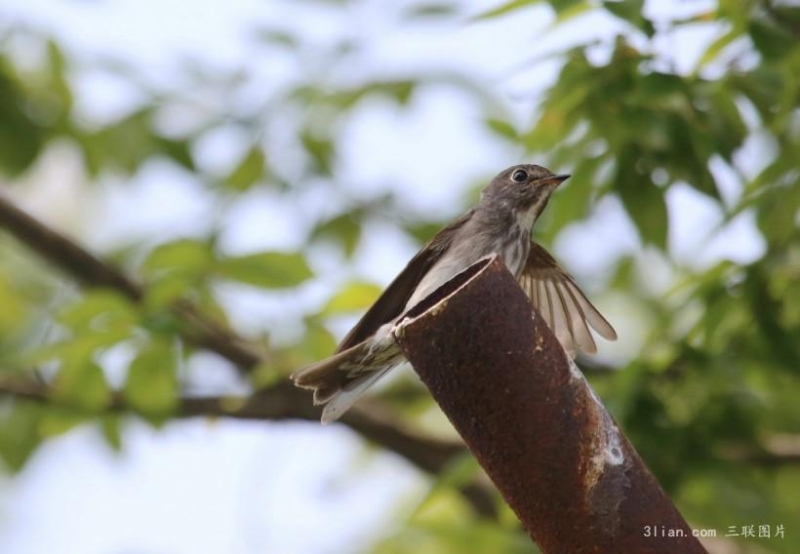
(555,180)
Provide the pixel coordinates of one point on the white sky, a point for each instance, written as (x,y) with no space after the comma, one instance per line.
(201,488)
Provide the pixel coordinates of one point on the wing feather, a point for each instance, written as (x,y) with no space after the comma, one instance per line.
(546,304)
(562,304)
(391,303)
(581,332)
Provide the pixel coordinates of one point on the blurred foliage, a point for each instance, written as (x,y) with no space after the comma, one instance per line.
(714,388)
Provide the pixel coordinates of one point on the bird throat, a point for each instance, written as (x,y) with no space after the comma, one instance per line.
(514,248)
(526,217)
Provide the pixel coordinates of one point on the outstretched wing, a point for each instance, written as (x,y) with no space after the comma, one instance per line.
(391,303)
(561,303)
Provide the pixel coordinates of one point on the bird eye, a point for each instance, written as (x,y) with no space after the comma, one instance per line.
(519,176)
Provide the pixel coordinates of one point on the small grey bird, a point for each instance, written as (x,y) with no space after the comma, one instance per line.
(501,223)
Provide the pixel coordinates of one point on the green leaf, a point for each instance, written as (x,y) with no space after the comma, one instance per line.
(187,257)
(562,6)
(14,307)
(459,472)
(21,139)
(502,128)
(356,296)
(345,228)
(572,199)
(251,170)
(772,41)
(623,277)
(178,151)
(726,122)
(506,8)
(569,9)
(57,420)
(163,321)
(717,47)
(111,426)
(151,386)
(423,231)
(431,10)
(271,270)
(19,434)
(320,149)
(100,311)
(122,145)
(319,342)
(81,383)
(265,375)
(647,207)
(166,291)
(643,201)
(779,212)
(631,11)
(79,347)
(277,37)
(400,91)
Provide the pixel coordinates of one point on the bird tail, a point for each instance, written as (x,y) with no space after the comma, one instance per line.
(340,380)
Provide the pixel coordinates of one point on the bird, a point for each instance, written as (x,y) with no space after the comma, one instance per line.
(501,223)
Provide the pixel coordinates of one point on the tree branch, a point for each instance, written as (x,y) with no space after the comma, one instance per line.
(282,402)
(92,272)
(776,450)
(59,250)
(278,402)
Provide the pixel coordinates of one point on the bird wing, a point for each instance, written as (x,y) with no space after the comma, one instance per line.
(391,303)
(561,303)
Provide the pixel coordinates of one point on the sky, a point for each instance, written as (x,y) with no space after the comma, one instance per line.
(231,487)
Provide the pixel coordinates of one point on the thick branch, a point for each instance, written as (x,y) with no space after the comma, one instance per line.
(286,402)
(281,402)
(64,253)
(773,451)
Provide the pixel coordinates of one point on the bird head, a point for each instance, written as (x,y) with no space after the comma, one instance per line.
(524,190)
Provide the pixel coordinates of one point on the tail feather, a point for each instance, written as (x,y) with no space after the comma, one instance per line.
(328,375)
(341,379)
(324,393)
(342,399)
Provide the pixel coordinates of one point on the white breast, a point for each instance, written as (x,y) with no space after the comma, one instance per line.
(444,270)
(513,250)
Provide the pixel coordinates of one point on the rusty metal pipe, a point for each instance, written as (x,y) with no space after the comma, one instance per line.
(533,423)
